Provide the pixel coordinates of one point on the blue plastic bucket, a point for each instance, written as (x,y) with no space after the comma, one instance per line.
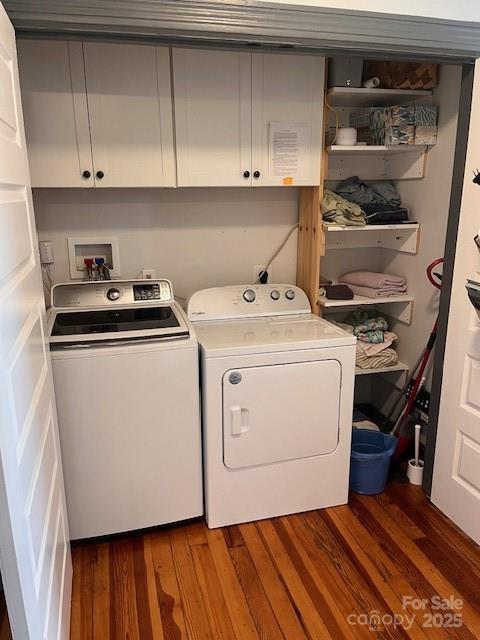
(370,460)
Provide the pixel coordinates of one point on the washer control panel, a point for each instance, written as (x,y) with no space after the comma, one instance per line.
(111,293)
(247,301)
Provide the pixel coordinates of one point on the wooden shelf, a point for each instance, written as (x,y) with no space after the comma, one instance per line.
(361,97)
(400,367)
(378,150)
(398,307)
(371,227)
(363,301)
(398,237)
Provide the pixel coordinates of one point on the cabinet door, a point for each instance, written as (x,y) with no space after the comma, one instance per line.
(130,109)
(55,111)
(212,117)
(287,97)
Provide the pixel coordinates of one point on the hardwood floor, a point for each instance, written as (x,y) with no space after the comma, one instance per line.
(336,573)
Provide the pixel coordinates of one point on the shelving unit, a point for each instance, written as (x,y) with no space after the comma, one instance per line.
(361,97)
(399,237)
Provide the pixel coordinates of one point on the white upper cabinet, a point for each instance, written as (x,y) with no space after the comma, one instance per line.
(247,119)
(213,117)
(287,128)
(130,109)
(55,112)
(97,114)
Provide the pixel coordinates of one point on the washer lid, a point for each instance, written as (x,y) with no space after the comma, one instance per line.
(268,334)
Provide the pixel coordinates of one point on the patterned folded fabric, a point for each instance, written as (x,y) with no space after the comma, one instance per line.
(386,358)
(426,115)
(426,135)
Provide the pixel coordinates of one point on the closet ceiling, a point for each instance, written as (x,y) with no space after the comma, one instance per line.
(253,23)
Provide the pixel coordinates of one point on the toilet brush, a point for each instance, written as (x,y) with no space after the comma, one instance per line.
(415,466)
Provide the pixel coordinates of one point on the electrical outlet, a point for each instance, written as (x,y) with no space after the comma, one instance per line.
(149,274)
(258,268)
(46,251)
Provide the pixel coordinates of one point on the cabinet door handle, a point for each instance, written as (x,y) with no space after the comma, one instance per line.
(246,174)
(99,175)
(256,174)
(86,174)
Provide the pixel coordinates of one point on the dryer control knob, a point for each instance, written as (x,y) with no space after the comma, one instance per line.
(275,295)
(249,295)
(290,294)
(113,294)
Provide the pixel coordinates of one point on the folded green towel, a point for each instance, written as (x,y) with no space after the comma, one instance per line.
(336,210)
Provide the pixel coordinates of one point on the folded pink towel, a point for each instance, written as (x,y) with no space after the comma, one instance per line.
(374,280)
(370,292)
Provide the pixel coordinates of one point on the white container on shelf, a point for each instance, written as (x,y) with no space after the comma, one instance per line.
(346,137)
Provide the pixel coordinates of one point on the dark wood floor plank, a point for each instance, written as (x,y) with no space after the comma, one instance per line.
(233,536)
(125,617)
(273,585)
(325,602)
(238,609)
(196,618)
(82,593)
(154,601)
(215,605)
(435,526)
(262,614)
(377,567)
(439,582)
(311,619)
(414,582)
(101,592)
(411,529)
(196,533)
(167,587)
(363,598)
(297,577)
(346,592)
(419,580)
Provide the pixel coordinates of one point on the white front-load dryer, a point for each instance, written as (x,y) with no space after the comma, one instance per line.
(277,396)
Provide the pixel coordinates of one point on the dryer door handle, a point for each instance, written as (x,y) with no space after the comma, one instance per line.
(238,420)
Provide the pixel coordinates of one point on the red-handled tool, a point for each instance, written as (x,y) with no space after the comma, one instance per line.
(404,440)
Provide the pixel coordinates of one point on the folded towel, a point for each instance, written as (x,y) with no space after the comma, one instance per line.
(338,211)
(370,292)
(384,213)
(372,324)
(374,280)
(359,192)
(373,349)
(338,292)
(386,358)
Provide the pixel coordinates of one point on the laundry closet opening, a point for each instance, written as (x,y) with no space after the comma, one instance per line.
(206,201)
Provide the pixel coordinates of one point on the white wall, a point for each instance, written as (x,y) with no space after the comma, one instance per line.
(464,10)
(428,201)
(195,237)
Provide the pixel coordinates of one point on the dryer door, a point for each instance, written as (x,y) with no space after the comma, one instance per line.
(280,412)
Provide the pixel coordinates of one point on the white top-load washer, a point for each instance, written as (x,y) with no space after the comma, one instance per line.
(277,396)
(125,368)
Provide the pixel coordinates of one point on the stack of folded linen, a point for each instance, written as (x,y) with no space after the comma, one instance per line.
(380,202)
(374,340)
(374,285)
